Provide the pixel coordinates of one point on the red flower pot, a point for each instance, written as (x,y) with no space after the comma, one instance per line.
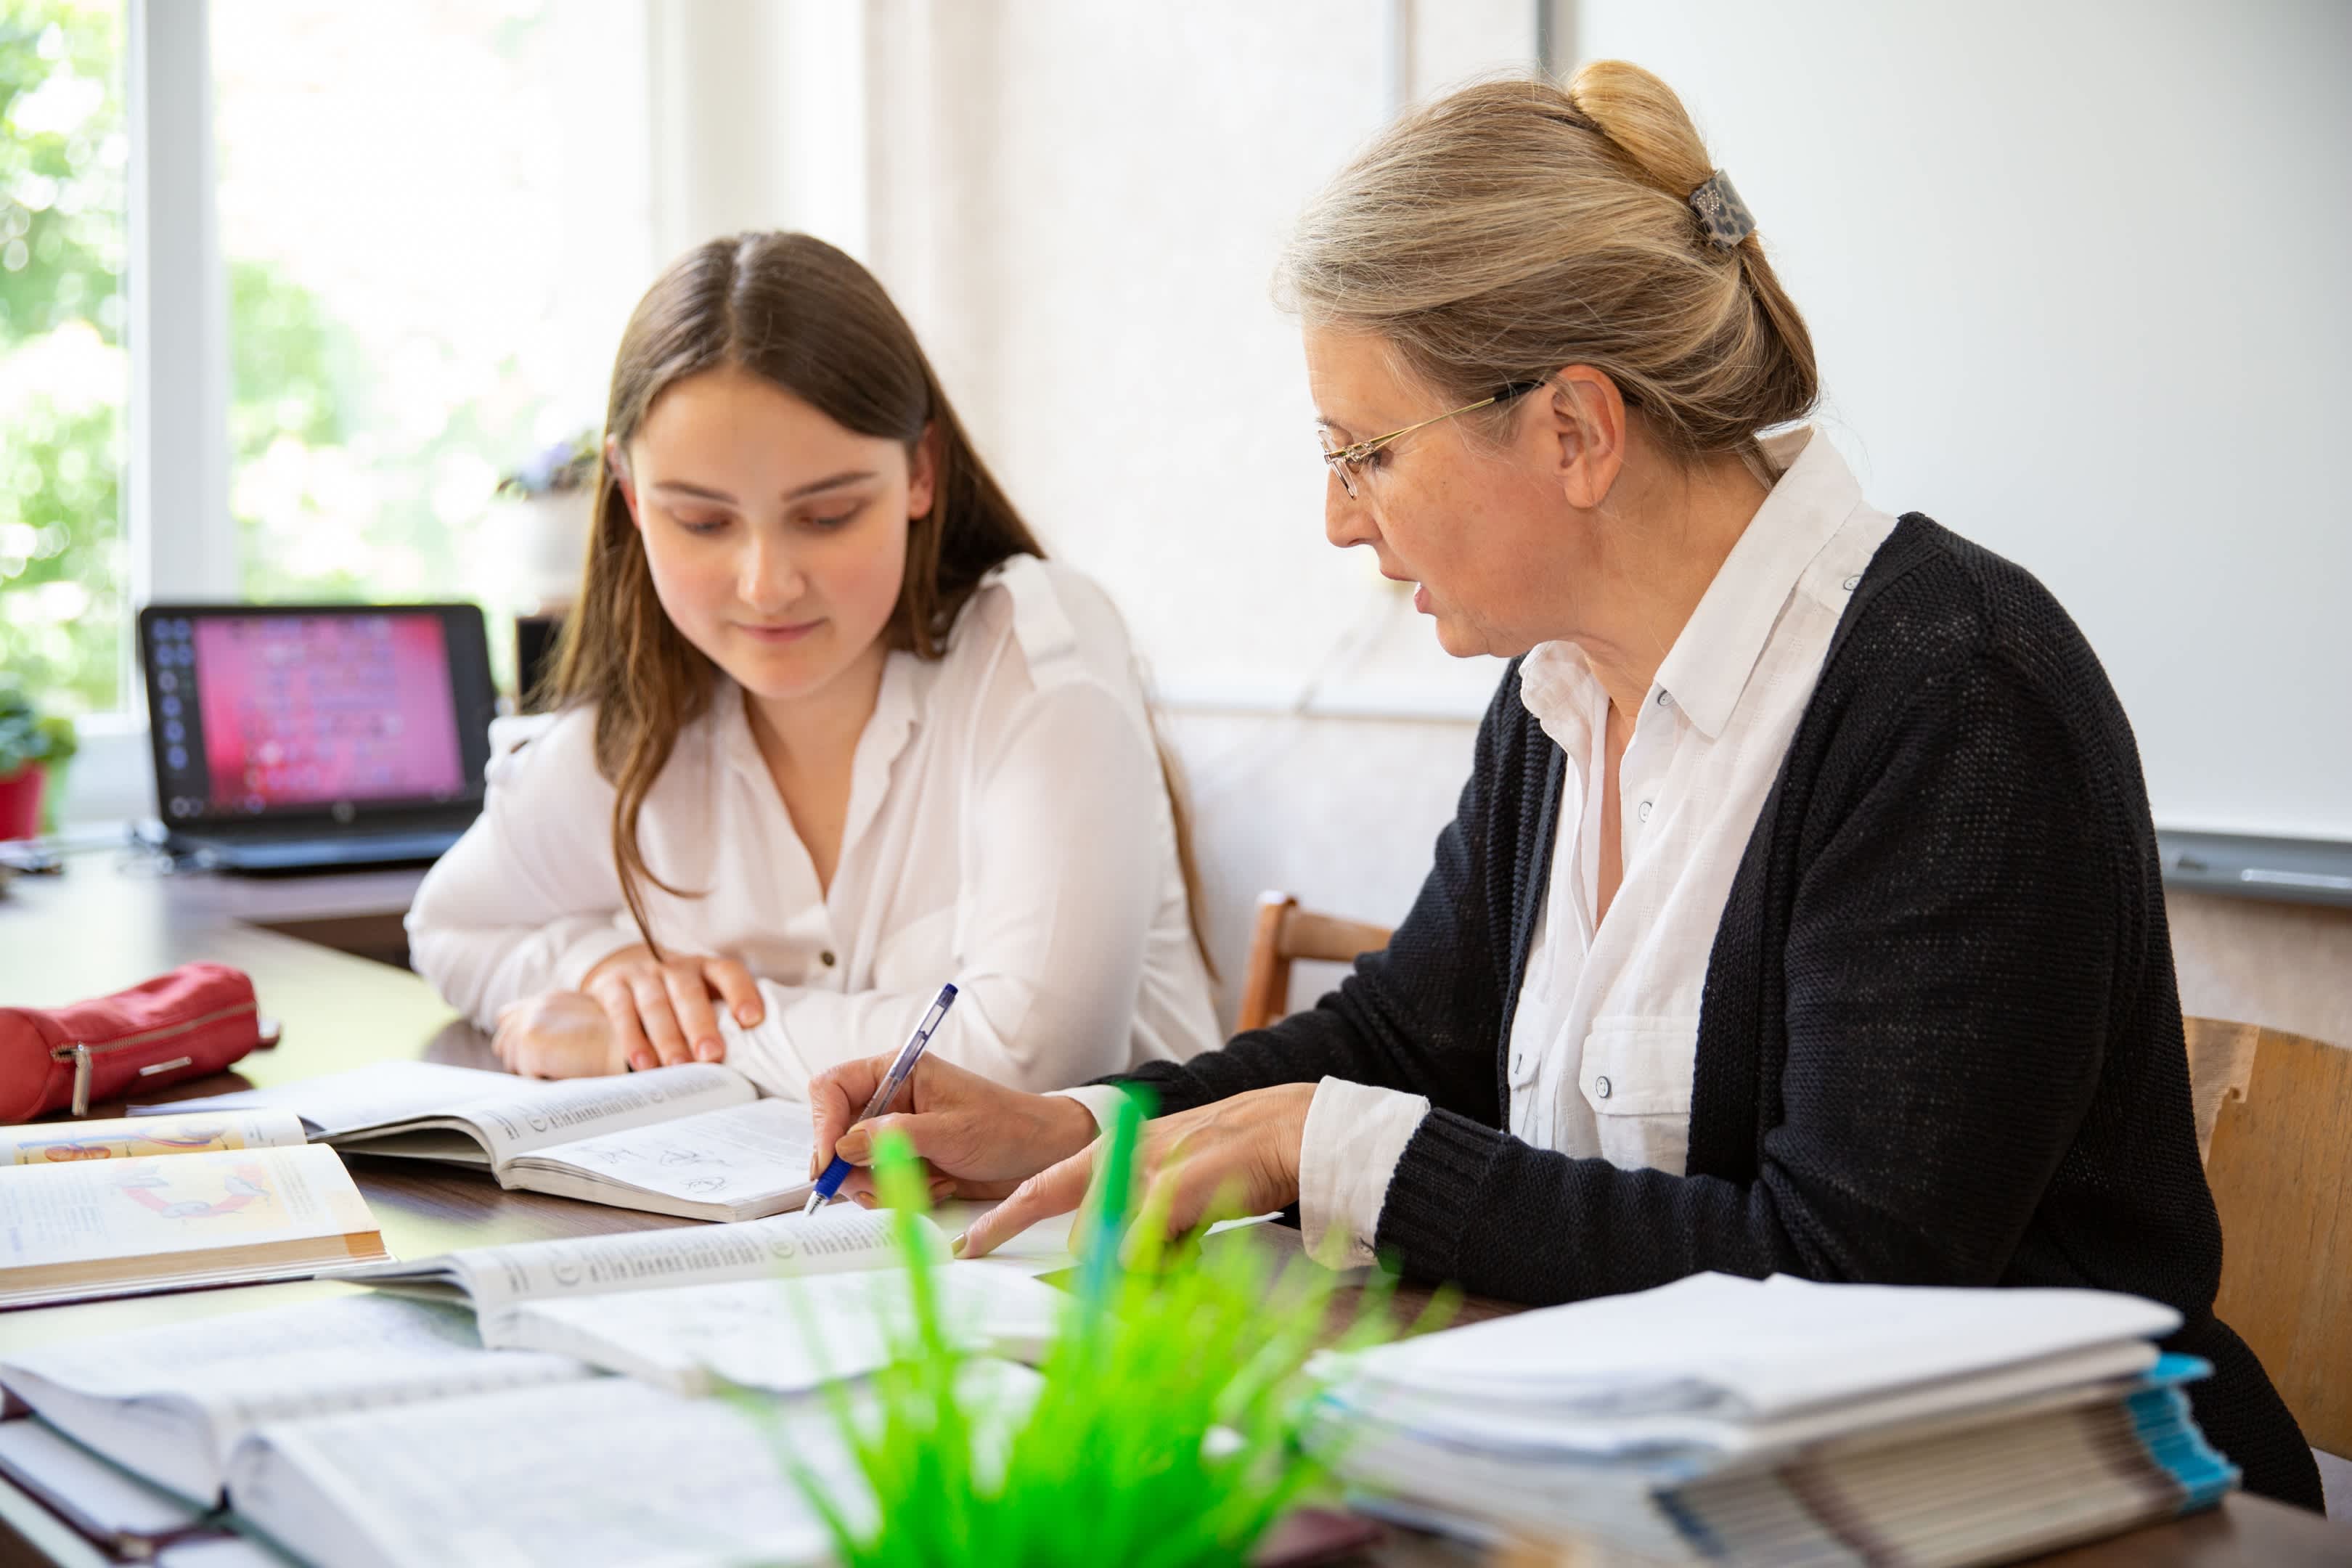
(20,801)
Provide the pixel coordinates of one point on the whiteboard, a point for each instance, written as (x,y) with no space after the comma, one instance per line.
(2080,279)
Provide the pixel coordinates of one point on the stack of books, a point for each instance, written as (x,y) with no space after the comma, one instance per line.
(1783,1421)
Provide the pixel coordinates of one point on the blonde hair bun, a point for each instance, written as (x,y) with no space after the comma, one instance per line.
(1517,226)
(1646,118)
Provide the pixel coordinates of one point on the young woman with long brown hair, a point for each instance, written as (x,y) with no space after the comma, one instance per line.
(829,732)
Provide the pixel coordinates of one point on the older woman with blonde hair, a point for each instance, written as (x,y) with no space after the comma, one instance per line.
(1802,913)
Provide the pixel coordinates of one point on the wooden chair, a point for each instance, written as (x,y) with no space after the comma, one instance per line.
(2275,1124)
(1285,935)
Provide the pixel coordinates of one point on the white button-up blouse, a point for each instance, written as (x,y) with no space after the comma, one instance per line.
(1606,1027)
(1007,829)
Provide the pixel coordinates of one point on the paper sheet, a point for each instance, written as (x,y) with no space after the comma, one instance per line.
(1742,1349)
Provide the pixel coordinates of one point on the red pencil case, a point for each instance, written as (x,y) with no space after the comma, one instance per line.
(195,1020)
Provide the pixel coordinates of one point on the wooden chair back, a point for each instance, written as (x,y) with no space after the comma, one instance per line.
(2278,1155)
(2221,1066)
(1285,934)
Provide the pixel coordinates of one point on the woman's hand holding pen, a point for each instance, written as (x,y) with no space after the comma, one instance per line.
(977,1135)
(1039,1152)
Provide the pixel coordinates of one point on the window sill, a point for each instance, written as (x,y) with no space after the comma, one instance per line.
(112,777)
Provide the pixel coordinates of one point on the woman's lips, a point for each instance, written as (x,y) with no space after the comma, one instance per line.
(1421,598)
(777,634)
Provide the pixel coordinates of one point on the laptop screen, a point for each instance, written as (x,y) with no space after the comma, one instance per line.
(303,710)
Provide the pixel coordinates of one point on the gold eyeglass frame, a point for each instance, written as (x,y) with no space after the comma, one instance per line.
(1343,460)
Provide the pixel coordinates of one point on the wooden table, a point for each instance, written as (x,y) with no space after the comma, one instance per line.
(96,930)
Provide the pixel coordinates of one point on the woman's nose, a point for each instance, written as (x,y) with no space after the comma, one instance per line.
(1347,519)
(767,577)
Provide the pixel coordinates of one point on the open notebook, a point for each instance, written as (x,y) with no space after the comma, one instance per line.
(694,1140)
(118,1208)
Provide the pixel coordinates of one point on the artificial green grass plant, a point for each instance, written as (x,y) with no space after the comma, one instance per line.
(1163,1432)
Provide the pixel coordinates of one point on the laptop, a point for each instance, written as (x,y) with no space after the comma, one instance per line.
(313,737)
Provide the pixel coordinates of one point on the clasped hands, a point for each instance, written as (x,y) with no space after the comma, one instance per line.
(1039,1152)
(632,1011)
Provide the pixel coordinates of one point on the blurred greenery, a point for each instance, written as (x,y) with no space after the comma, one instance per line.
(331,497)
(62,166)
(1168,1422)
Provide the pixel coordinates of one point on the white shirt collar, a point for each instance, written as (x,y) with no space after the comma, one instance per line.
(1709,665)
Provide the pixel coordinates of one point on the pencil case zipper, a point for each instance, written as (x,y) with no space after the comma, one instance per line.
(84,1054)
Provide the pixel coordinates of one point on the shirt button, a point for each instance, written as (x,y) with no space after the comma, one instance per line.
(1645,812)
(1851,583)
(1601,1089)
(1665,698)
(826,958)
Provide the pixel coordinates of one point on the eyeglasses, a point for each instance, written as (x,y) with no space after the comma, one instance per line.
(1347,461)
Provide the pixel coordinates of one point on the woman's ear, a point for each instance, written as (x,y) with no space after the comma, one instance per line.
(923,472)
(1584,433)
(616,463)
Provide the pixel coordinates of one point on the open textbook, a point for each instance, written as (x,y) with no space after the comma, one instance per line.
(693,1140)
(608,1471)
(132,1138)
(169,1402)
(842,1238)
(107,1219)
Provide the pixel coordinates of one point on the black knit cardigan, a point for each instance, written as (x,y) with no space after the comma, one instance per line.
(1939,1041)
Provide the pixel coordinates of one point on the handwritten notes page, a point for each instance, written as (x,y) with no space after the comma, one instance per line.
(169,1402)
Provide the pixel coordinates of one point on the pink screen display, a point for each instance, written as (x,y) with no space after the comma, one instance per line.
(304,708)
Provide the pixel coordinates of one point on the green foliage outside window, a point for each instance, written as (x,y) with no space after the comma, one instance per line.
(62,373)
(328,500)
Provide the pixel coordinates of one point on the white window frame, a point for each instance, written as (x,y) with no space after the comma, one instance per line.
(181,542)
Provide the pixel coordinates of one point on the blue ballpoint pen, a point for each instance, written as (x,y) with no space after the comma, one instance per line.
(900,1070)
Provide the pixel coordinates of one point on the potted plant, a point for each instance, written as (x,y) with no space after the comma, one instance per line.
(551,494)
(1166,1427)
(32,744)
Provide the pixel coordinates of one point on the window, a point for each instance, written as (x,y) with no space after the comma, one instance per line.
(431,245)
(64,375)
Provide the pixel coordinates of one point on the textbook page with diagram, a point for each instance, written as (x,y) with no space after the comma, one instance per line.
(694,1140)
(106,1225)
(131,1138)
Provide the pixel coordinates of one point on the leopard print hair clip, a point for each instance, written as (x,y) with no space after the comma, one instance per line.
(1723,217)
